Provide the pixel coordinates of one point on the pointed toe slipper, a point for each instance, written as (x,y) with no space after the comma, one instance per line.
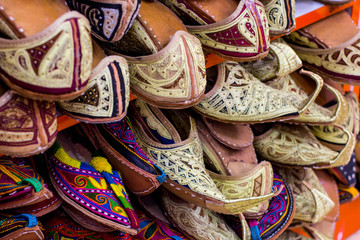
(181,159)
(332,54)
(295,145)
(233,30)
(236,96)
(45,59)
(117,140)
(94,189)
(166,63)
(106,96)
(109,20)
(312,203)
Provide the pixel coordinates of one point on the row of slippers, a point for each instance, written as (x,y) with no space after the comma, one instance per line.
(237,93)
(305,197)
(53,59)
(178,153)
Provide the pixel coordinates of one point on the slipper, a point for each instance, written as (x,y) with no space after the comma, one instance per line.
(109,20)
(141,175)
(236,95)
(228,149)
(166,63)
(312,203)
(60,226)
(334,137)
(107,93)
(88,187)
(23,226)
(330,53)
(280,16)
(325,229)
(346,175)
(303,83)
(281,61)
(347,194)
(47,54)
(20,185)
(28,126)
(275,220)
(176,149)
(233,30)
(197,222)
(290,235)
(295,145)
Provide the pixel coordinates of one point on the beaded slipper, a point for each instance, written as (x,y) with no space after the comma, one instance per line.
(94,189)
(166,63)
(118,142)
(346,175)
(281,61)
(295,145)
(332,54)
(28,126)
(312,203)
(275,220)
(177,151)
(20,185)
(236,95)
(107,93)
(333,137)
(48,54)
(195,221)
(303,83)
(280,16)
(58,226)
(233,30)
(23,226)
(109,20)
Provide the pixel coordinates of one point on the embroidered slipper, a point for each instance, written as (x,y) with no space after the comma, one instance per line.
(197,222)
(229,151)
(281,61)
(280,16)
(330,53)
(233,30)
(141,175)
(236,95)
(23,226)
(20,184)
(44,59)
(312,203)
(177,150)
(28,126)
(58,226)
(275,220)
(325,229)
(303,83)
(107,93)
(109,20)
(94,189)
(334,137)
(295,145)
(166,63)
